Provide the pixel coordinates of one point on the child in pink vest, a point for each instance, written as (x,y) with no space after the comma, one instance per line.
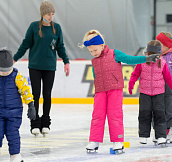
(151,99)
(109,84)
(166,42)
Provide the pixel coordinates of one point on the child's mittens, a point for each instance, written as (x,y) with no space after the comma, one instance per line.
(31,113)
(130,88)
(152,58)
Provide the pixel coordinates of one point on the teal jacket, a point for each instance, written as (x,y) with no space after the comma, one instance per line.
(122,57)
(43,51)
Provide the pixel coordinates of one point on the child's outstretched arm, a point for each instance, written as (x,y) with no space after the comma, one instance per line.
(122,57)
(167,75)
(24,90)
(134,77)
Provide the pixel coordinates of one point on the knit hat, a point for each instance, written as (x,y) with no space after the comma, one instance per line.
(46,7)
(6,60)
(164,40)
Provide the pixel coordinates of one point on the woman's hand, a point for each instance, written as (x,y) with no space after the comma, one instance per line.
(67,69)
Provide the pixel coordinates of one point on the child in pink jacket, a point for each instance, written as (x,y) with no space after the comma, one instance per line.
(109,85)
(151,99)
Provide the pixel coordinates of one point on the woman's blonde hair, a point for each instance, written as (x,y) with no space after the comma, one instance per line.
(40,27)
(154,43)
(89,35)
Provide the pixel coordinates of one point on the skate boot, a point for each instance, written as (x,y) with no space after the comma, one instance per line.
(45,131)
(143,140)
(45,125)
(92,146)
(118,147)
(35,131)
(169,136)
(162,142)
(35,126)
(16,158)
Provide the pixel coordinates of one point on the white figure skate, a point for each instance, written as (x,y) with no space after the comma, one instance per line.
(162,142)
(35,131)
(45,131)
(143,140)
(169,136)
(92,147)
(118,147)
(16,158)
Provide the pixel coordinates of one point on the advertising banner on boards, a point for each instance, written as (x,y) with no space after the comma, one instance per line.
(80,82)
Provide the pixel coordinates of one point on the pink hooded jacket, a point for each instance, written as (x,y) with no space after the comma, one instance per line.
(108,73)
(151,78)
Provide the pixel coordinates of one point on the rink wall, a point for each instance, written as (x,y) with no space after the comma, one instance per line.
(78,87)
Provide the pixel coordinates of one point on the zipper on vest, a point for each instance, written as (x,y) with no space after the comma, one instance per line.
(151,77)
(102,74)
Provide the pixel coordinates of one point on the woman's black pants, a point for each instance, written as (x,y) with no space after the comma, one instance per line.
(46,77)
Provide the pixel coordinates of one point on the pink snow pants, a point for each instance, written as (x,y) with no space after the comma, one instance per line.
(107,103)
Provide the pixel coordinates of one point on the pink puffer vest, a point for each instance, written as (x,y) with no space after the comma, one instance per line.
(151,79)
(108,73)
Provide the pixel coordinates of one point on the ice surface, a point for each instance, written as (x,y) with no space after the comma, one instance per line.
(69,136)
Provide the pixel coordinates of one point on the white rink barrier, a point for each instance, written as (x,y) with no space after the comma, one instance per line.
(80,83)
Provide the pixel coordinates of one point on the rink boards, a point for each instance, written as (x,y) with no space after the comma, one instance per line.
(78,87)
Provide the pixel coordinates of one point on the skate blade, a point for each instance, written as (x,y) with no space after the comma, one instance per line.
(162,145)
(92,151)
(36,135)
(44,134)
(116,152)
(143,143)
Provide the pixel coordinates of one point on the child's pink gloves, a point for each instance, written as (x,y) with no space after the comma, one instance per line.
(131,86)
(67,69)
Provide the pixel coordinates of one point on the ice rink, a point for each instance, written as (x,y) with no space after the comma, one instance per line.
(69,136)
